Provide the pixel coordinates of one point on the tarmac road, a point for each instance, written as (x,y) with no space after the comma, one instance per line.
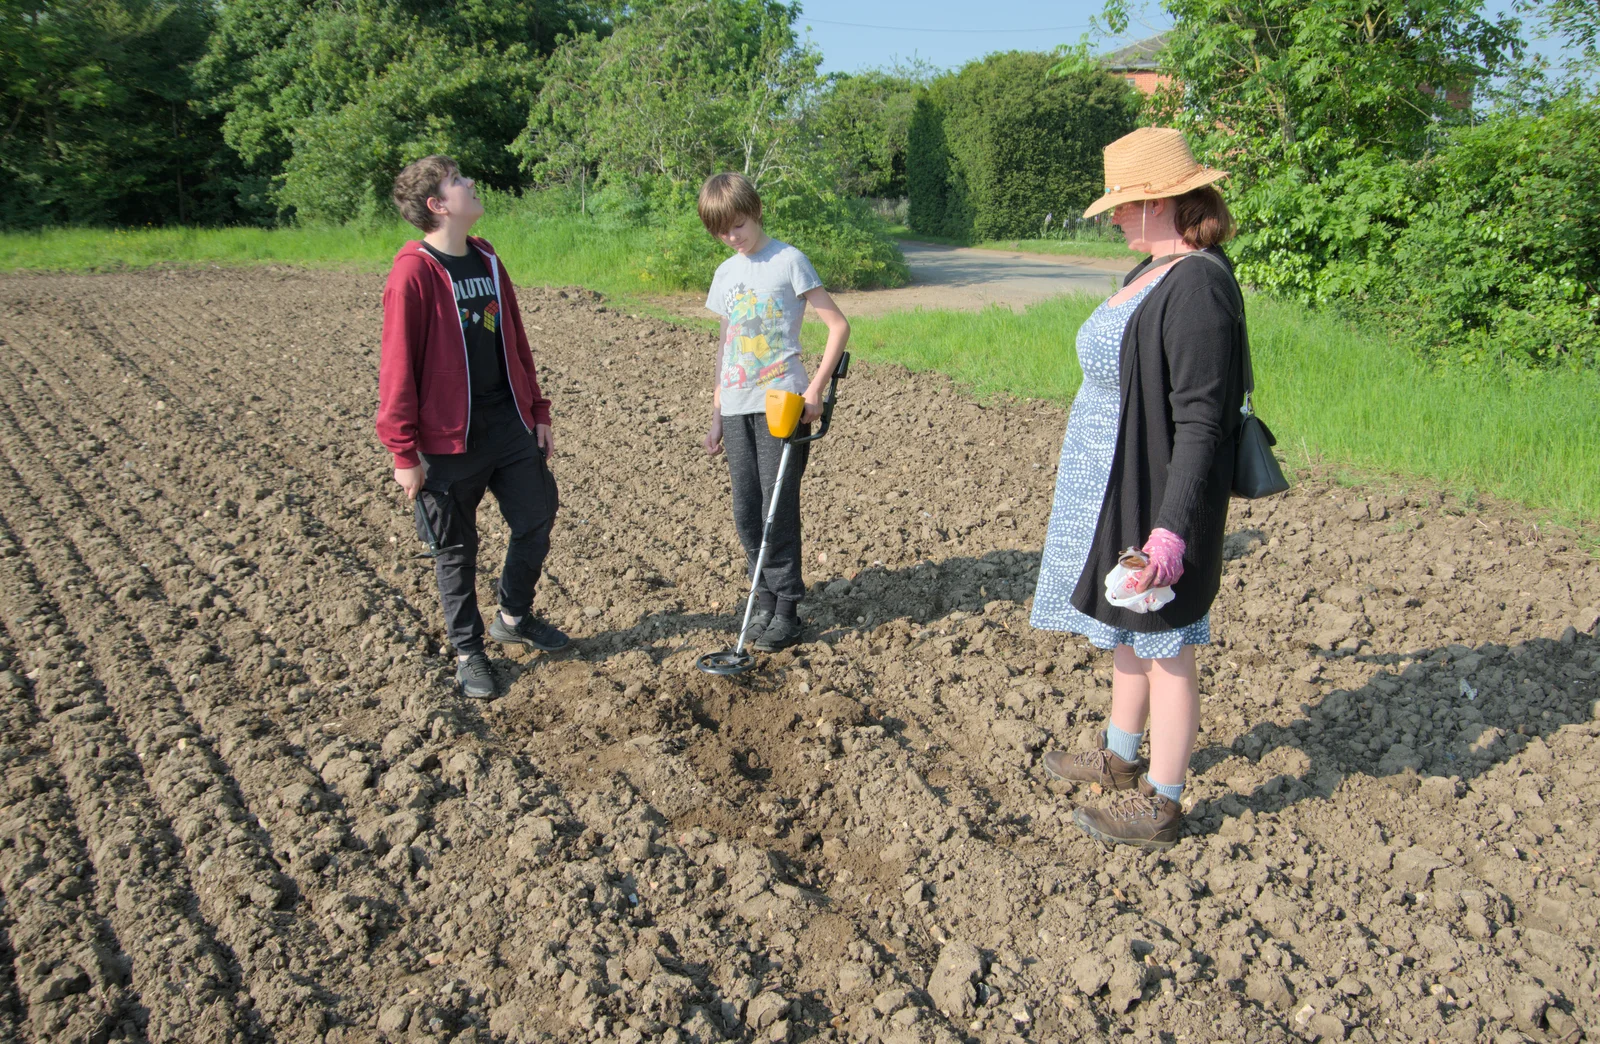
(963,278)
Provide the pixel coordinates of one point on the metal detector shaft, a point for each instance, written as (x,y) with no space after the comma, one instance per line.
(761,555)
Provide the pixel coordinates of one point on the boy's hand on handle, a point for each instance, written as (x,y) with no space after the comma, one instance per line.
(1164,549)
(410,480)
(813,408)
(547,441)
(712,443)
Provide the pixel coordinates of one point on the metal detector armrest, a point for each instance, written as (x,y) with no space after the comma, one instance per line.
(840,372)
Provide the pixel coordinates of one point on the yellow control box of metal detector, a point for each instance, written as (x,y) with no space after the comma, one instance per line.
(784,409)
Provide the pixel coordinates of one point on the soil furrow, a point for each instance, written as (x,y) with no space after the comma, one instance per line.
(70,974)
(315,839)
(187,985)
(240,888)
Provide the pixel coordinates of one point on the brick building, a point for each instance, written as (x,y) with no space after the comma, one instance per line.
(1139,63)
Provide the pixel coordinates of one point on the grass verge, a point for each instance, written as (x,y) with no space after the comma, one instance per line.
(539,249)
(1328,390)
(1096,248)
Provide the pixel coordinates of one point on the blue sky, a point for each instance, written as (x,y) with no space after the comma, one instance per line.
(864,34)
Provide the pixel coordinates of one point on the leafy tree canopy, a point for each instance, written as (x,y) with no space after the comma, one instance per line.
(862,121)
(678,90)
(96,124)
(324,99)
(1305,83)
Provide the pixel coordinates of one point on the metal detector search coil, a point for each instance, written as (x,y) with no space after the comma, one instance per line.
(784,410)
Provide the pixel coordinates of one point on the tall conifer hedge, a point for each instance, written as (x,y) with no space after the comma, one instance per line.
(999,145)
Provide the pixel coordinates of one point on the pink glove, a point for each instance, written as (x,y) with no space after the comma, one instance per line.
(1165,552)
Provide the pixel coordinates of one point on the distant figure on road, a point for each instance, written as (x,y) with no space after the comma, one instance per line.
(1147,463)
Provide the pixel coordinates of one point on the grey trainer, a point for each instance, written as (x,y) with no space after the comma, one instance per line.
(475,677)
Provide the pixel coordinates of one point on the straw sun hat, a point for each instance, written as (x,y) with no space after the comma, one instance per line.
(1150,163)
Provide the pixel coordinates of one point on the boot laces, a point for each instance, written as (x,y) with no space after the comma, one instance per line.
(1095,759)
(1135,806)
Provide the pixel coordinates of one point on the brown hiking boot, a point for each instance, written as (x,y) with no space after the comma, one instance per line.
(1095,766)
(1145,820)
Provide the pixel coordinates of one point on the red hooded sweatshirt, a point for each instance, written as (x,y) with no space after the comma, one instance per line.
(424,397)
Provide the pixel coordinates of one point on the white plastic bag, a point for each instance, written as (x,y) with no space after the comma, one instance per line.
(1121,584)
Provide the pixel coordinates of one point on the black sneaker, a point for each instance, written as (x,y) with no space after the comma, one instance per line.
(781,633)
(530,631)
(758,625)
(475,677)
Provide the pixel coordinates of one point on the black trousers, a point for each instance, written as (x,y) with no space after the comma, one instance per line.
(504,458)
(753,467)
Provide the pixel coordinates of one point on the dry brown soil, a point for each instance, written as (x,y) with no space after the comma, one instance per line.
(242,803)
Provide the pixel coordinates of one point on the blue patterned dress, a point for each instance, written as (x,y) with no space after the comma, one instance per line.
(1081,479)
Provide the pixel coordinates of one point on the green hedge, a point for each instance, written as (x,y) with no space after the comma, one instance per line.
(1486,252)
(1001,144)
(849,246)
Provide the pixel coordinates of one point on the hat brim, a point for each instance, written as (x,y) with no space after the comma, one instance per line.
(1133,194)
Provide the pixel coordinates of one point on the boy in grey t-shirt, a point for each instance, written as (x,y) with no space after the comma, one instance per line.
(761,293)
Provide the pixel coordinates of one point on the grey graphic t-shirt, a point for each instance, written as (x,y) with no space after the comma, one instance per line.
(761,296)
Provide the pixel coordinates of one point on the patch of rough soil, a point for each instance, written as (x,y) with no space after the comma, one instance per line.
(241,802)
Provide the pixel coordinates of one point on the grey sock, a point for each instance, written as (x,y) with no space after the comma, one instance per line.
(1124,745)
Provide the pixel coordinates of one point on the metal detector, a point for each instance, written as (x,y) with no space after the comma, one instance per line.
(430,537)
(783,421)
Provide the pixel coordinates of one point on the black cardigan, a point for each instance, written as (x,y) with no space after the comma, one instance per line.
(1182,390)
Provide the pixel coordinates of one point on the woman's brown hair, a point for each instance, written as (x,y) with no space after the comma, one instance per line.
(1202,218)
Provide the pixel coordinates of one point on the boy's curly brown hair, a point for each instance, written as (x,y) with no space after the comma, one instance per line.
(420,180)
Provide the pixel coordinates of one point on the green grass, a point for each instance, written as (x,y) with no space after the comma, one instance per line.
(1098,248)
(548,250)
(1330,392)
(1071,247)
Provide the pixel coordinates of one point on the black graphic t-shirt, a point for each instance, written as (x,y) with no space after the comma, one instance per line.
(479,308)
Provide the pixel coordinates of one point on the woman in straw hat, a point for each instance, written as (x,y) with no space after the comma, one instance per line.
(1148,463)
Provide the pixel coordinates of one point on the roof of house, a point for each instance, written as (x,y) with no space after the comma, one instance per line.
(1138,56)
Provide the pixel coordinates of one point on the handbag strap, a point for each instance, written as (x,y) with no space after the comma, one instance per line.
(1249,371)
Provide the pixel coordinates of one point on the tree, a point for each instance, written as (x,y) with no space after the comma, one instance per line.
(677,91)
(862,123)
(1315,107)
(324,100)
(98,122)
(1263,85)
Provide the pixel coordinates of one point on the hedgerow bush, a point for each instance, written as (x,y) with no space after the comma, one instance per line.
(1502,261)
(1485,252)
(845,241)
(999,145)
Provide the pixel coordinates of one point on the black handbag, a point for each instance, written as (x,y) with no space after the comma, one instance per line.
(1256,472)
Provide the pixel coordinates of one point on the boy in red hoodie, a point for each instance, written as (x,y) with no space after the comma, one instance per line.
(460,409)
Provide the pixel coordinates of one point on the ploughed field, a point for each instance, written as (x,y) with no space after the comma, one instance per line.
(241,801)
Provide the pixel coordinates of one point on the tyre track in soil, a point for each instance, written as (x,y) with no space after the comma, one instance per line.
(186,985)
(262,770)
(68,976)
(903,789)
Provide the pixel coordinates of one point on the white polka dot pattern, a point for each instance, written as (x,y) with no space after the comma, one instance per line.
(1081,479)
